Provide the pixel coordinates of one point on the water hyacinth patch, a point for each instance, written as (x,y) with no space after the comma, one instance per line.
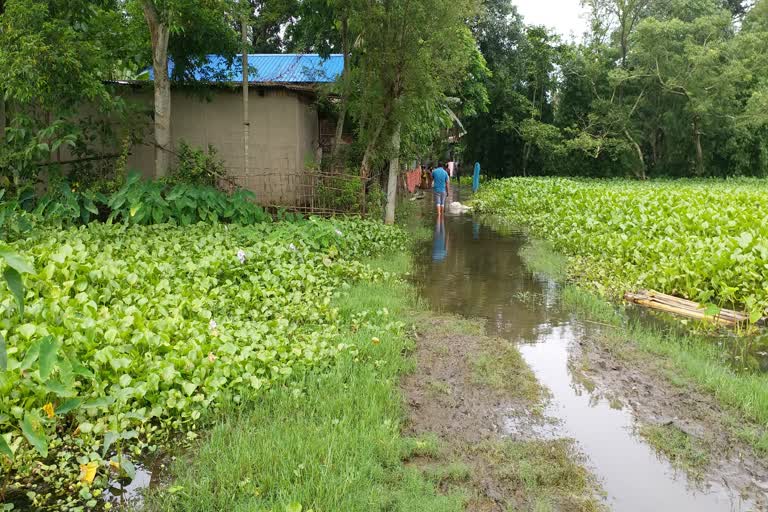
(700,239)
(130,333)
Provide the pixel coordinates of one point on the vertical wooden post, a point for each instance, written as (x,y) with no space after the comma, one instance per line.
(246,121)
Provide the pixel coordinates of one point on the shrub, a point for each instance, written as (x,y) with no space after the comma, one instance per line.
(197,167)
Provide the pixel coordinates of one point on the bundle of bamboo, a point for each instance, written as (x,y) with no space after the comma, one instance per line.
(670,304)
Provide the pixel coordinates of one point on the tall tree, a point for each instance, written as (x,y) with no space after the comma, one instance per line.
(187,31)
(408,67)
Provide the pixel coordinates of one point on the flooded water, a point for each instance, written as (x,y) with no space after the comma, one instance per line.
(469,269)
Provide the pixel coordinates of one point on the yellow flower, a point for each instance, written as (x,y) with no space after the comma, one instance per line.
(375,341)
(114,465)
(48,408)
(88,472)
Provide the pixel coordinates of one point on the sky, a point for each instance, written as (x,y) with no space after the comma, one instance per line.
(565,16)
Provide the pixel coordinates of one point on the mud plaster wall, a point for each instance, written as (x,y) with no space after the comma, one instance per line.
(284,135)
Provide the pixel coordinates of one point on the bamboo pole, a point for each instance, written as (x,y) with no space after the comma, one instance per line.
(689,309)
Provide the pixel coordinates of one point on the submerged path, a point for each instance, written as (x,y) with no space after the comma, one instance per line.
(470,270)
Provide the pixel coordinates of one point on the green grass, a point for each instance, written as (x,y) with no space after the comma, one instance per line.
(547,472)
(501,366)
(541,258)
(683,451)
(336,446)
(594,307)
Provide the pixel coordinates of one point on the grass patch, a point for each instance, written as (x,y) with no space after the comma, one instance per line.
(548,473)
(453,473)
(336,445)
(540,257)
(594,307)
(501,366)
(423,446)
(682,450)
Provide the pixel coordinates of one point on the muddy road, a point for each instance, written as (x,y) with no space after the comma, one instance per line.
(594,396)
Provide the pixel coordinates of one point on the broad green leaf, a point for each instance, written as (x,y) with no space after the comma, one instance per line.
(49,348)
(109,438)
(16,262)
(13,280)
(34,432)
(31,356)
(59,389)
(128,469)
(96,403)
(69,405)
(5,448)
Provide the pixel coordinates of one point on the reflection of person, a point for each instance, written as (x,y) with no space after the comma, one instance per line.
(441,187)
(440,242)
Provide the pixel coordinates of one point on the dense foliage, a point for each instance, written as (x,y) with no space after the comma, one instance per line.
(654,89)
(129,333)
(704,239)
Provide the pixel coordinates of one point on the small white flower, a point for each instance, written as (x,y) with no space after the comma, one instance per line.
(213,325)
(292,247)
(338,232)
(241,256)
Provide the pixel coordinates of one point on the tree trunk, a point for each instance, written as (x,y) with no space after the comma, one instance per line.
(365,165)
(246,119)
(159,32)
(654,138)
(640,172)
(697,143)
(344,95)
(526,155)
(394,170)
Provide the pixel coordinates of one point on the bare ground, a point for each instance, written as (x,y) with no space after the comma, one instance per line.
(619,371)
(463,400)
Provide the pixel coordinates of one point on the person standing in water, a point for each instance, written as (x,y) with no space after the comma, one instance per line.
(440,187)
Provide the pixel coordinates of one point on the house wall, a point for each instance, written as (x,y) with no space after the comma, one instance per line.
(284,133)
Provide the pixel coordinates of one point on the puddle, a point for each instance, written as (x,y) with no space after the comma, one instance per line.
(469,269)
(149,473)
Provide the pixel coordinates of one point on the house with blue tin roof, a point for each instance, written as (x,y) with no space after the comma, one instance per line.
(304,68)
(285,132)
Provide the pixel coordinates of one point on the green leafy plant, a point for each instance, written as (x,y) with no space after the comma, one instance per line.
(704,240)
(133,332)
(153,202)
(197,167)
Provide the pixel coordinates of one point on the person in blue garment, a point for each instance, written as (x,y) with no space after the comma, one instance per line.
(440,186)
(440,241)
(476,177)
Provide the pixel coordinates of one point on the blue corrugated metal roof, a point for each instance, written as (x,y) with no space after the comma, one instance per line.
(277,68)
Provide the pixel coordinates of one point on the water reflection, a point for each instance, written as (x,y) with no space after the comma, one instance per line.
(483,276)
(440,241)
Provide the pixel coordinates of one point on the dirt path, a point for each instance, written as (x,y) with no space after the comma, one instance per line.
(464,389)
(688,426)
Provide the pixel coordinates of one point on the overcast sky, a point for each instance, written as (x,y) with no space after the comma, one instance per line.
(565,16)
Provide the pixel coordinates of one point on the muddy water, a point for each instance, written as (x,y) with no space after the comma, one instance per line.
(469,269)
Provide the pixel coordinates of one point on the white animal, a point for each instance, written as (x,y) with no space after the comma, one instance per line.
(457,207)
